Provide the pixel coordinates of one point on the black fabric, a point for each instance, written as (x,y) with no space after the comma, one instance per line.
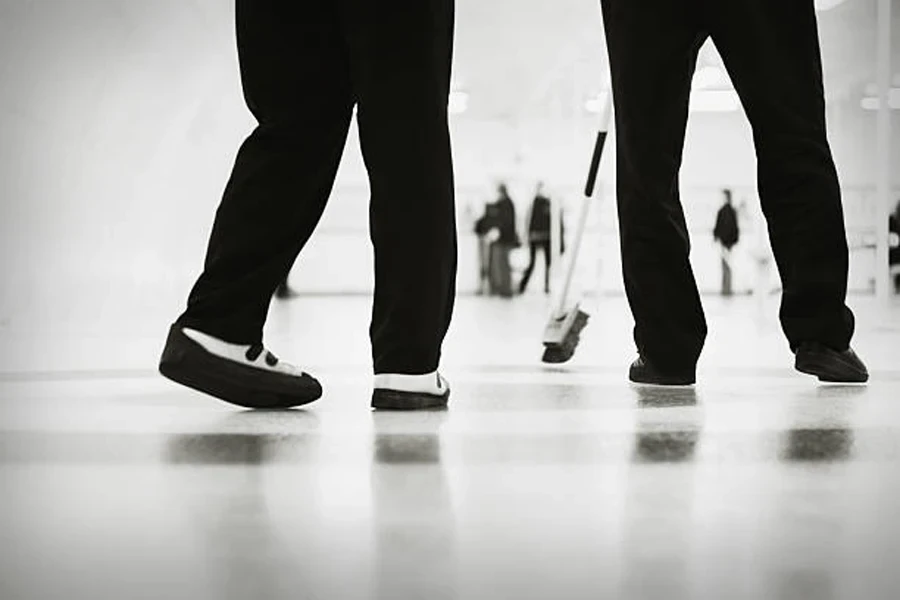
(304,65)
(489,220)
(544,247)
(539,225)
(771,51)
(506,222)
(482,225)
(894,251)
(726,230)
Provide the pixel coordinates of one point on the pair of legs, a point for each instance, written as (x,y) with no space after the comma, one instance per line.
(771,51)
(304,67)
(533,247)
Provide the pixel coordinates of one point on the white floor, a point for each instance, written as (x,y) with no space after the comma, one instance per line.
(538,482)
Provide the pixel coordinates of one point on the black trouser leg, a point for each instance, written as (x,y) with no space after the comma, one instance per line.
(532,258)
(771,50)
(653,47)
(296,81)
(400,55)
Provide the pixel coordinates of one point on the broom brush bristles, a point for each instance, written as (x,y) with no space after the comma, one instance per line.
(563,350)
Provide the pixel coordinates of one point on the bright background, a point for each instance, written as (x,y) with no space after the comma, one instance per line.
(119,121)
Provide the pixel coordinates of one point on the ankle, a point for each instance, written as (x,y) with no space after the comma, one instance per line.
(426,382)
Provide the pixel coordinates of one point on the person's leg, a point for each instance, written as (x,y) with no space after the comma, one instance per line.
(505,271)
(532,256)
(494,269)
(653,47)
(486,284)
(726,274)
(296,82)
(401,53)
(545,248)
(771,50)
(893,261)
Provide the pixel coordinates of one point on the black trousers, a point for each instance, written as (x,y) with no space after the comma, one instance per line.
(771,51)
(533,247)
(304,66)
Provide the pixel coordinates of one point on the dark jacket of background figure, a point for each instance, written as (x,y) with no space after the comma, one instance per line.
(726,230)
(487,221)
(539,221)
(506,222)
(501,215)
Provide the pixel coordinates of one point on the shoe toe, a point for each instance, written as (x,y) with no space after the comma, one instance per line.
(189,364)
(830,365)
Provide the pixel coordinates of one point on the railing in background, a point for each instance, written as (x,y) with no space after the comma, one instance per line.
(339,257)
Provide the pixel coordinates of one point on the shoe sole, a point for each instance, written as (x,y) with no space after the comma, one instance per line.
(664,384)
(192,366)
(383,399)
(822,365)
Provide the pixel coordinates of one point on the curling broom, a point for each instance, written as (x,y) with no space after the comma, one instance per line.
(563,331)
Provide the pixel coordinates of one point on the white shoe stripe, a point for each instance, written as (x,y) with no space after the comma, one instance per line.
(429,383)
(238,353)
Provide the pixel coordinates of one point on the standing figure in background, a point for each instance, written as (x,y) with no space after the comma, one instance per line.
(726,233)
(771,51)
(304,67)
(538,222)
(504,239)
(483,227)
(894,247)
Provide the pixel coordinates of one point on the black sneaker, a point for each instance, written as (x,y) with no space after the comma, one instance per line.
(642,371)
(252,378)
(830,365)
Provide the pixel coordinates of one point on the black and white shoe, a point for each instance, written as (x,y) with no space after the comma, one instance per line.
(245,375)
(410,392)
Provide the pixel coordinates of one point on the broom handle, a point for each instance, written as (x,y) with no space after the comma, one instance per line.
(586,203)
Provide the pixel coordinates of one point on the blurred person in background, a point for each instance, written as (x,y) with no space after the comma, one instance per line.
(503,239)
(484,227)
(304,67)
(771,51)
(538,222)
(894,246)
(727,233)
